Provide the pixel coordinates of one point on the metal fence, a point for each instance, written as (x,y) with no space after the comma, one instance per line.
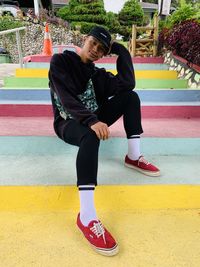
(19,47)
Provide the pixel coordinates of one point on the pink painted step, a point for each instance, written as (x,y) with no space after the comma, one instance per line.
(39,110)
(39,58)
(43,126)
(156,60)
(36,58)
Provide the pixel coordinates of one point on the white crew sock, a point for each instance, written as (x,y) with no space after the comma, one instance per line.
(134,147)
(87,208)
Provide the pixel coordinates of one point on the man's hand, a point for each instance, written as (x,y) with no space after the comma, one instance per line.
(101,129)
(111,43)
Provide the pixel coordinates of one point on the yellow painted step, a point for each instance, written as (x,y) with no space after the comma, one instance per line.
(111,197)
(153,74)
(31,73)
(140,74)
(151,238)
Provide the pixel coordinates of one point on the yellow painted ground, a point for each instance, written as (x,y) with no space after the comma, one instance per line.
(113,197)
(139,74)
(151,238)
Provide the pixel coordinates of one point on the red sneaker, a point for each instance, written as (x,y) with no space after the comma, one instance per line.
(100,239)
(142,165)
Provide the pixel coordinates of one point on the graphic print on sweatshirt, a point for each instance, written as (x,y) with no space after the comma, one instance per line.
(88,99)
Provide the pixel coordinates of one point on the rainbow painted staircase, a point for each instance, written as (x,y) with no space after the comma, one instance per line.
(155,220)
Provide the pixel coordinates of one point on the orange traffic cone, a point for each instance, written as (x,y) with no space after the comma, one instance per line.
(47,48)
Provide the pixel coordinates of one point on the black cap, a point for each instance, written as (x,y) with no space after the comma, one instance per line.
(102,35)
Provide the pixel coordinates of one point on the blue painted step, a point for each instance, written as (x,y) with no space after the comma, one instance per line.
(145,95)
(108,66)
(49,161)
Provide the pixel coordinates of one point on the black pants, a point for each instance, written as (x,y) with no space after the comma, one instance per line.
(72,132)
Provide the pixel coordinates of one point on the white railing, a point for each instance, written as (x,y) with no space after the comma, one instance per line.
(19,47)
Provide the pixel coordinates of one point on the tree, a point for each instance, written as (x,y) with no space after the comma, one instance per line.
(112,22)
(131,13)
(84,14)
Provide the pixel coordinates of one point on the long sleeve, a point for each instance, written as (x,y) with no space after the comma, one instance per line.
(63,85)
(125,77)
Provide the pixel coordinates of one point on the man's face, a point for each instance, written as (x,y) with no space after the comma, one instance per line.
(93,49)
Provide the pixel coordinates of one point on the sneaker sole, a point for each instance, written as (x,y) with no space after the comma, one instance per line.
(148,173)
(105,252)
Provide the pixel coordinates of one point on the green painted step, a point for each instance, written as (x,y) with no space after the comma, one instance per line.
(146,66)
(53,146)
(12,82)
(161,83)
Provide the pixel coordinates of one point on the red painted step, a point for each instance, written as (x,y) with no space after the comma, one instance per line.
(39,110)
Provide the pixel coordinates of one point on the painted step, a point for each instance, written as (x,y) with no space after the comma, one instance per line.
(44,169)
(40,158)
(39,83)
(137,66)
(39,215)
(149,110)
(139,74)
(31,216)
(146,95)
(153,127)
(154,60)
(53,146)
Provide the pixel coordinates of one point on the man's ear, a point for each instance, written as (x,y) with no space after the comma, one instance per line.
(111,43)
(85,38)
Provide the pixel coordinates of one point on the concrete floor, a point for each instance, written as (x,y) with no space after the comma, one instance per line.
(153,238)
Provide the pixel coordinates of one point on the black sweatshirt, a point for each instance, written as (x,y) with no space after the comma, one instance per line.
(69,77)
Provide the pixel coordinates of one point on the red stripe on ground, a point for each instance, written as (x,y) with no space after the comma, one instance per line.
(28,110)
(23,126)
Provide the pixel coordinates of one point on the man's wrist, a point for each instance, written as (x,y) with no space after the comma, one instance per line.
(115,48)
(92,122)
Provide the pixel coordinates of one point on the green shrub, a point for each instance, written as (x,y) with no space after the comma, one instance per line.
(86,27)
(112,22)
(8,22)
(185,12)
(84,11)
(64,12)
(131,13)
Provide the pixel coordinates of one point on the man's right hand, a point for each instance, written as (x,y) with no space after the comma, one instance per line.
(101,129)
